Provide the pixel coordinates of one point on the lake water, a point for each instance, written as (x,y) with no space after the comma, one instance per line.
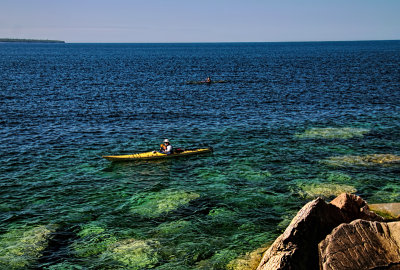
(291,122)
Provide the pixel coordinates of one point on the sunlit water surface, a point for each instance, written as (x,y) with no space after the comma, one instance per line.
(290,123)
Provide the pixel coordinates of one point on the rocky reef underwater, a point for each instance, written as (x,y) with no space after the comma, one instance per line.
(346,233)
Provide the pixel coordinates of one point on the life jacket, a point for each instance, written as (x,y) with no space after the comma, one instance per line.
(163,147)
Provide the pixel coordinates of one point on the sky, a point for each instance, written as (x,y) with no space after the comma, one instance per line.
(148,21)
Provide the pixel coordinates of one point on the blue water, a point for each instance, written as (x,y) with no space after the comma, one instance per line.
(284,111)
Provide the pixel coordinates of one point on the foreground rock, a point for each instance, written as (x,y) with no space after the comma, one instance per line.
(387,210)
(297,247)
(354,207)
(362,245)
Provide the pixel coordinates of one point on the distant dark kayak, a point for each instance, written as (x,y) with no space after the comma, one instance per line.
(204,82)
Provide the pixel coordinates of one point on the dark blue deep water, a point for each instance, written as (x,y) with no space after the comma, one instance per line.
(291,122)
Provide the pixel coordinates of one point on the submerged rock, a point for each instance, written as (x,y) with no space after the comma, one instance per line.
(97,243)
(389,211)
(174,228)
(388,192)
(361,245)
(332,133)
(65,266)
(21,247)
(248,261)
(247,172)
(297,247)
(337,177)
(219,260)
(367,160)
(93,241)
(90,229)
(324,190)
(135,254)
(155,204)
(222,214)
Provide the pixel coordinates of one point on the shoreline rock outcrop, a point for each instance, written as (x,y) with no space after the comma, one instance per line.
(361,245)
(390,211)
(298,247)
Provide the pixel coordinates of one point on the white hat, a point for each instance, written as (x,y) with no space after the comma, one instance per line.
(166,140)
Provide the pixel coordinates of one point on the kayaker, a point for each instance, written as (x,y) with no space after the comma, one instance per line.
(166,147)
(208,80)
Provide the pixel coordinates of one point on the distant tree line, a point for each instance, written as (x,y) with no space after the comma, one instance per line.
(30,40)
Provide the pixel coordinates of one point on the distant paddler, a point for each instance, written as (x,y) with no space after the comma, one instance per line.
(208,80)
(166,147)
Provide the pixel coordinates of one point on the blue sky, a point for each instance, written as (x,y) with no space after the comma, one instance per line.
(200,21)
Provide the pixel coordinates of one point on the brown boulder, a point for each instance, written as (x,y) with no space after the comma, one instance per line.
(297,247)
(354,207)
(361,245)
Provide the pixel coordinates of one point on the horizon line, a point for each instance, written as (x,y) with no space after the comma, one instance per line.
(216,42)
(186,42)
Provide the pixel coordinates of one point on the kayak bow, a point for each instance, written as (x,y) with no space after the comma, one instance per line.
(157,155)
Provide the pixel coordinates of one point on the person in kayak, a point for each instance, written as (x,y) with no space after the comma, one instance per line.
(166,147)
(208,80)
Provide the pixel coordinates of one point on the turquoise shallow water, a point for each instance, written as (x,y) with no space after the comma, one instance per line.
(293,121)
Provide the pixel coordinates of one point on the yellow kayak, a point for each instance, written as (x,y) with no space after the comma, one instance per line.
(157,155)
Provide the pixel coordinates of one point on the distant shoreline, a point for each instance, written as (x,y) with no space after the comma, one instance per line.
(18,40)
